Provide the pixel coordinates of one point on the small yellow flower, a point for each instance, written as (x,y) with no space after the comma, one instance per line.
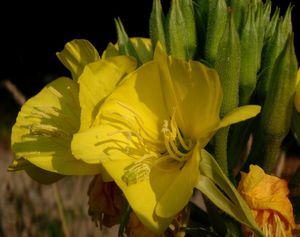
(45,125)
(267,196)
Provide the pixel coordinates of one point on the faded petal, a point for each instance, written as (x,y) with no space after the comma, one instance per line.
(136,228)
(106,202)
(267,196)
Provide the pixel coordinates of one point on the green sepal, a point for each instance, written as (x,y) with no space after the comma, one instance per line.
(157,24)
(277,111)
(124,43)
(250,54)
(228,66)
(201,15)
(181,30)
(216,22)
(214,184)
(270,30)
(239,8)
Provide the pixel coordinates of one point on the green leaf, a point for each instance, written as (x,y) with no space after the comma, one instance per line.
(212,181)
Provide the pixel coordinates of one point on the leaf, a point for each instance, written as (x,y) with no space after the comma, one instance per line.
(212,181)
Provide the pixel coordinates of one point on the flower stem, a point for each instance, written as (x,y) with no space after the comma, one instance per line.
(60,210)
(220,149)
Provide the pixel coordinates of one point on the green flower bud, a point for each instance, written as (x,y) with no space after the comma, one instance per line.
(125,46)
(272,25)
(181,32)
(266,13)
(287,27)
(157,22)
(277,110)
(201,14)
(239,9)
(270,53)
(216,22)
(249,51)
(228,66)
(262,16)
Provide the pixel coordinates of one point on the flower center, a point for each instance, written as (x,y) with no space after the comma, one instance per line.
(178,147)
(172,147)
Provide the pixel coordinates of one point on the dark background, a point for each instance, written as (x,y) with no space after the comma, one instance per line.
(32,33)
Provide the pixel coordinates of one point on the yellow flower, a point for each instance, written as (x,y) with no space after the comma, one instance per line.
(267,196)
(47,122)
(149,132)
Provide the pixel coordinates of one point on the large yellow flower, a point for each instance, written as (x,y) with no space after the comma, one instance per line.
(149,133)
(267,196)
(42,134)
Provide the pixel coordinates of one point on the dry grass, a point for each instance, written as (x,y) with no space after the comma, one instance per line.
(28,209)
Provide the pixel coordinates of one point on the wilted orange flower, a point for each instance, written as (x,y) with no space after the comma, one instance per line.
(267,196)
(135,228)
(106,202)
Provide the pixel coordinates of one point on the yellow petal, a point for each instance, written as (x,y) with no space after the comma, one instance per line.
(96,82)
(110,51)
(125,64)
(297,95)
(44,128)
(143,48)
(132,111)
(39,175)
(101,143)
(173,186)
(138,104)
(140,196)
(76,54)
(239,114)
(192,91)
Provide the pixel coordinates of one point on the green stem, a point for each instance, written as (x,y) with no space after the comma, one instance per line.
(220,149)
(60,210)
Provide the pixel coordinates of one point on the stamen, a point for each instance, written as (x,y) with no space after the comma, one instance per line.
(280,230)
(178,133)
(170,142)
(135,127)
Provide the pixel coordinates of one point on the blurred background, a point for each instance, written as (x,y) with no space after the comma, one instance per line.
(31,34)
